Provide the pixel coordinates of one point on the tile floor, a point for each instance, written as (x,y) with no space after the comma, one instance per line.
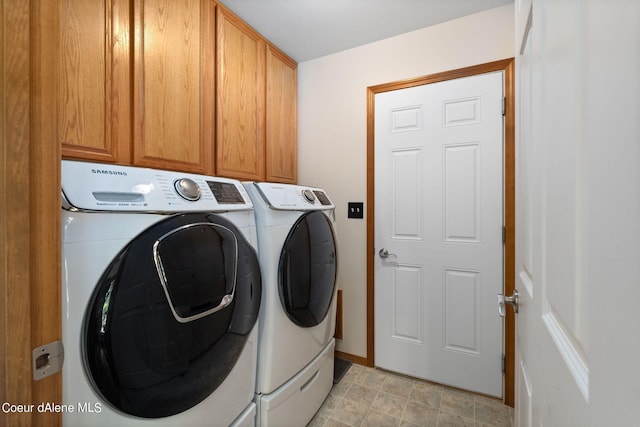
(367,397)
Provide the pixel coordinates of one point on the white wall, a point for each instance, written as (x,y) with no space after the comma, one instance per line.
(333,117)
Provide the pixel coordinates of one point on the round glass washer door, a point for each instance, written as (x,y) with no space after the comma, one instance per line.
(171,314)
(307,270)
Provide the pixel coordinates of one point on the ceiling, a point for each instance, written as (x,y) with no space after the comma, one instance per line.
(309,29)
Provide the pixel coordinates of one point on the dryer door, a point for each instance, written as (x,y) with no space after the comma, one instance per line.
(170,316)
(307,270)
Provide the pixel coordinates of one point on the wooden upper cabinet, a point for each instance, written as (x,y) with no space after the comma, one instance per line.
(179,85)
(94,85)
(146,100)
(174,84)
(240,111)
(281,119)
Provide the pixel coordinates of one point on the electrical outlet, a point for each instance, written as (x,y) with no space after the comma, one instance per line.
(356,210)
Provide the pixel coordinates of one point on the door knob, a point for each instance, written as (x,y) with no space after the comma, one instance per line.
(384,253)
(503,301)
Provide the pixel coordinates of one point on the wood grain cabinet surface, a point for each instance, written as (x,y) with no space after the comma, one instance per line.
(174,67)
(145,98)
(282,118)
(240,99)
(94,81)
(179,85)
(256,110)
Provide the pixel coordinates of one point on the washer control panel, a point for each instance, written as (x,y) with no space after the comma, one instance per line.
(293,197)
(105,187)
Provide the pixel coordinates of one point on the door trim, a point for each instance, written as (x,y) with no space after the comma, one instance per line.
(30,218)
(508,67)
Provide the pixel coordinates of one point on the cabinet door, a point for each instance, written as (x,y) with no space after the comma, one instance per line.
(94,98)
(240,99)
(281,128)
(174,77)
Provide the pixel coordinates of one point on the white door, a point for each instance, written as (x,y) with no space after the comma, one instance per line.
(528,226)
(578,213)
(438,231)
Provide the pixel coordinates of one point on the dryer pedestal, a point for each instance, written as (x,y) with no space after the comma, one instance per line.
(295,403)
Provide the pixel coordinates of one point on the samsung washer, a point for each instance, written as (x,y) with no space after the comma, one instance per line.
(161,293)
(298,260)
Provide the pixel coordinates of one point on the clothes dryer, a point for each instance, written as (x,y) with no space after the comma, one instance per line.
(298,260)
(160,299)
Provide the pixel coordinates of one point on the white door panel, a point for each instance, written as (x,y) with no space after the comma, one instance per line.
(578,210)
(439,217)
(550,358)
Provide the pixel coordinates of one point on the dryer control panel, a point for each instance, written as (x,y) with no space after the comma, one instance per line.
(105,187)
(294,197)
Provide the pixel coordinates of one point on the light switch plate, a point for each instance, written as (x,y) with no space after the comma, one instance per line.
(355,210)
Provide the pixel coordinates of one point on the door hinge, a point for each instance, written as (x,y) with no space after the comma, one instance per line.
(47,360)
(504,105)
(503,364)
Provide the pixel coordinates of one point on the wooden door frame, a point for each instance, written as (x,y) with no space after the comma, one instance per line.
(30,272)
(508,67)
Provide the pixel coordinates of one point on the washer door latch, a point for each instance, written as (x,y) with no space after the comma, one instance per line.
(47,360)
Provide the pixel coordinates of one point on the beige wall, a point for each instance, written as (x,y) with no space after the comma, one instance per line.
(332,126)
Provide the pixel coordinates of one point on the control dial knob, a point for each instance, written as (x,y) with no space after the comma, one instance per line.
(309,196)
(187,189)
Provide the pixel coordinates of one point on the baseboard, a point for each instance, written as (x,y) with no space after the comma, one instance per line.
(352,358)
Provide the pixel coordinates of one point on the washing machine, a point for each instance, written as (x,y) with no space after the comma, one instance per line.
(161,295)
(298,260)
